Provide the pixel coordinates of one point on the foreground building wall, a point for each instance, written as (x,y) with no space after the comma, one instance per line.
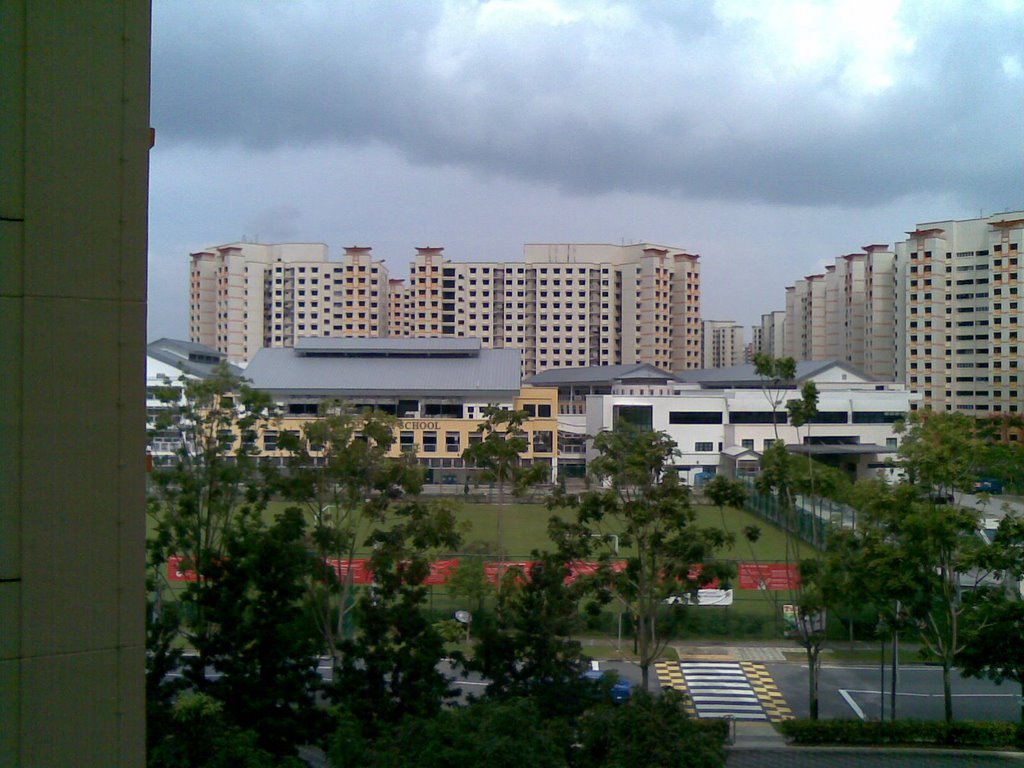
(75,132)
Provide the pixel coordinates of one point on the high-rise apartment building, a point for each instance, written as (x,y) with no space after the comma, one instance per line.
(959,310)
(770,337)
(846,313)
(230,305)
(723,344)
(940,311)
(563,305)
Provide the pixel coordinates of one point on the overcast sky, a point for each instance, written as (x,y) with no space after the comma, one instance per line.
(769,136)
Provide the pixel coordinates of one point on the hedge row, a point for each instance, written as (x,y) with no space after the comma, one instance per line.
(910,732)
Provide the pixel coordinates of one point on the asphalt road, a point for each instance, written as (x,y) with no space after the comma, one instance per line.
(852,691)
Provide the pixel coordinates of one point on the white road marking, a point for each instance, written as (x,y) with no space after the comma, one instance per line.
(719,689)
(853,704)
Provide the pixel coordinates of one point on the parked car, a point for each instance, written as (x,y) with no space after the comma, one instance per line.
(988,485)
(620,690)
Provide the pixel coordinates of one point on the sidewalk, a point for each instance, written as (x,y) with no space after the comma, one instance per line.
(752,735)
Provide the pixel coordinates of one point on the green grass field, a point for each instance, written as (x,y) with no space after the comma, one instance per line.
(525,529)
(754,614)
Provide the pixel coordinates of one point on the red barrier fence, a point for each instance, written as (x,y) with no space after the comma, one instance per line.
(752,576)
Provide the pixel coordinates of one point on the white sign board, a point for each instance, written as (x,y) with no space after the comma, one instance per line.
(704,597)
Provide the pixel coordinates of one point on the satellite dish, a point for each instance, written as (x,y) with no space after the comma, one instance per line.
(463,617)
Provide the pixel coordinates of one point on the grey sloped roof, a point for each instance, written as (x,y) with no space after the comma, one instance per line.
(600,374)
(361,347)
(489,373)
(188,357)
(745,375)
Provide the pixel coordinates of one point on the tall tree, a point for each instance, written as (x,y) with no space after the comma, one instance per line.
(266,649)
(215,476)
(388,670)
(918,558)
(243,612)
(726,492)
(498,456)
(639,497)
(993,644)
(795,484)
(528,650)
(340,473)
(939,452)
(776,375)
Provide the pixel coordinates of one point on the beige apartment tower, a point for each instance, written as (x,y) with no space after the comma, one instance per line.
(846,313)
(723,344)
(771,338)
(960,313)
(563,305)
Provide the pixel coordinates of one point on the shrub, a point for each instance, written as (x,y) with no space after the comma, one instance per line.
(916,732)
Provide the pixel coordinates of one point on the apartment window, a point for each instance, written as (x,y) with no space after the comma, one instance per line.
(543,441)
(704,447)
(748,443)
(430,442)
(695,417)
(641,416)
(878,417)
(756,417)
(270,440)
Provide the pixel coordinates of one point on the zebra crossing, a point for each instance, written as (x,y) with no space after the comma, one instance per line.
(742,690)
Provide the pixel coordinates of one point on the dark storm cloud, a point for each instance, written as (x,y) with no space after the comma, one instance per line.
(662,98)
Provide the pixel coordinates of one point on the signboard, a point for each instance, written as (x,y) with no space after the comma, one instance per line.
(441,571)
(703,597)
(493,569)
(419,424)
(175,571)
(770,576)
(357,570)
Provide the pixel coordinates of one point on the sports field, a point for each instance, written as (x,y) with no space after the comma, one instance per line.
(525,529)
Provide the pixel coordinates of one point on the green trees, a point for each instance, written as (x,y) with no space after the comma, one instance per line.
(652,730)
(243,613)
(498,454)
(498,457)
(528,650)
(940,452)
(915,560)
(993,643)
(388,670)
(640,499)
(264,604)
(341,477)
